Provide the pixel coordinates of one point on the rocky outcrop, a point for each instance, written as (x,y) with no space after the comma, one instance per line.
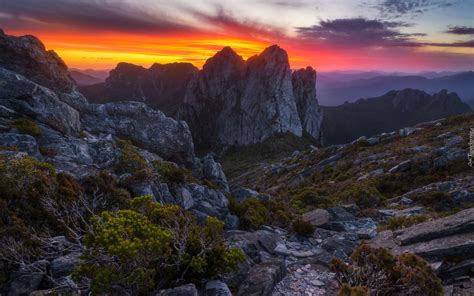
(445,242)
(242,102)
(304,82)
(160,87)
(229,102)
(148,128)
(27,56)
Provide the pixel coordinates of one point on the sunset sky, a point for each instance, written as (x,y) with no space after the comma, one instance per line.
(392,35)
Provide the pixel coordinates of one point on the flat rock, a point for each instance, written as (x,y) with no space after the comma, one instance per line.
(317,217)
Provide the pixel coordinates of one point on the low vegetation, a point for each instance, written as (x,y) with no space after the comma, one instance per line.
(378,272)
(395,223)
(26,126)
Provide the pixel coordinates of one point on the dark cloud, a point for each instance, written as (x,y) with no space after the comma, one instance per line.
(92,14)
(398,8)
(469,43)
(362,32)
(460,30)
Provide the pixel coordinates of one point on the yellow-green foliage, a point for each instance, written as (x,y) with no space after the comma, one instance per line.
(364,194)
(439,201)
(386,274)
(152,246)
(105,185)
(26,126)
(173,173)
(132,162)
(254,213)
(394,223)
(302,227)
(307,198)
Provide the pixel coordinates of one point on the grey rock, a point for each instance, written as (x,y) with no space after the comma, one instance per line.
(401,167)
(373,173)
(461,222)
(217,288)
(365,228)
(340,214)
(30,99)
(203,199)
(242,193)
(64,265)
(453,141)
(262,278)
(406,131)
(24,143)
(231,222)
(27,56)
(212,171)
(185,290)
(26,281)
(253,243)
(304,89)
(149,128)
(318,217)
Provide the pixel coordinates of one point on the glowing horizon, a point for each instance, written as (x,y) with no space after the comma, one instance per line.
(100,34)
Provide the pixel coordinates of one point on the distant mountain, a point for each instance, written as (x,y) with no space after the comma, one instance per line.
(334,89)
(160,87)
(84,79)
(394,110)
(100,74)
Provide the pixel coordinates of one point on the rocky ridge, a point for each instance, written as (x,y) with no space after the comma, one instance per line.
(229,102)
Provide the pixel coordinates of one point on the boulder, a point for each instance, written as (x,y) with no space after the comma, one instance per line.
(401,167)
(242,193)
(28,278)
(318,217)
(217,288)
(262,278)
(64,265)
(22,142)
(185,290)
(213,172)
(462,222)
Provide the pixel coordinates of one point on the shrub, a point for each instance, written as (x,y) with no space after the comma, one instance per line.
(394,223)
(152,246)
(347,290)
(104,187)
(251,212)
(26,126)
(365,195)
(439,201)
(172,173)
(132,162)
(47,151)
(385,274)
(302,227)
(308,198)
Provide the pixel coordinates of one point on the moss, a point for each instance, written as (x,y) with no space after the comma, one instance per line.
(26,126)
(439,201)
(47,151)
(132,162)
(210,184)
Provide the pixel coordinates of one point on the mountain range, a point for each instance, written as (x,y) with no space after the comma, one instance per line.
(336,88)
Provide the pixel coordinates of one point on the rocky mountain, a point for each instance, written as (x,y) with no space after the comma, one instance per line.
(83,79)
(160,87)
(394,110)
(336,88)
(229,102)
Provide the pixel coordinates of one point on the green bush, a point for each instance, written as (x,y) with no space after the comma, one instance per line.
(173,173)
(394,223)
(439,201)
(365,195)
(251,212)
(303,228)
(26,126)
(105,186)
(153,246)
(132,162)
(347,290)
(385,274)
(308,198)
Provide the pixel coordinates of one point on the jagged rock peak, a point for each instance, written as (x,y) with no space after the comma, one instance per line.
(26,55)
(224,62)
(272,55)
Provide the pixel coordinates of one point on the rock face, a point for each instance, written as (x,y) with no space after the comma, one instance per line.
(27,56)
(237,102)
(229,102)
(161,86)
(304,81)
(392,111)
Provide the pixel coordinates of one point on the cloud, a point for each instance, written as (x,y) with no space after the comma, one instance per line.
(399,8)
(358,32)
(469,43)
(92,14)
(460,30)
